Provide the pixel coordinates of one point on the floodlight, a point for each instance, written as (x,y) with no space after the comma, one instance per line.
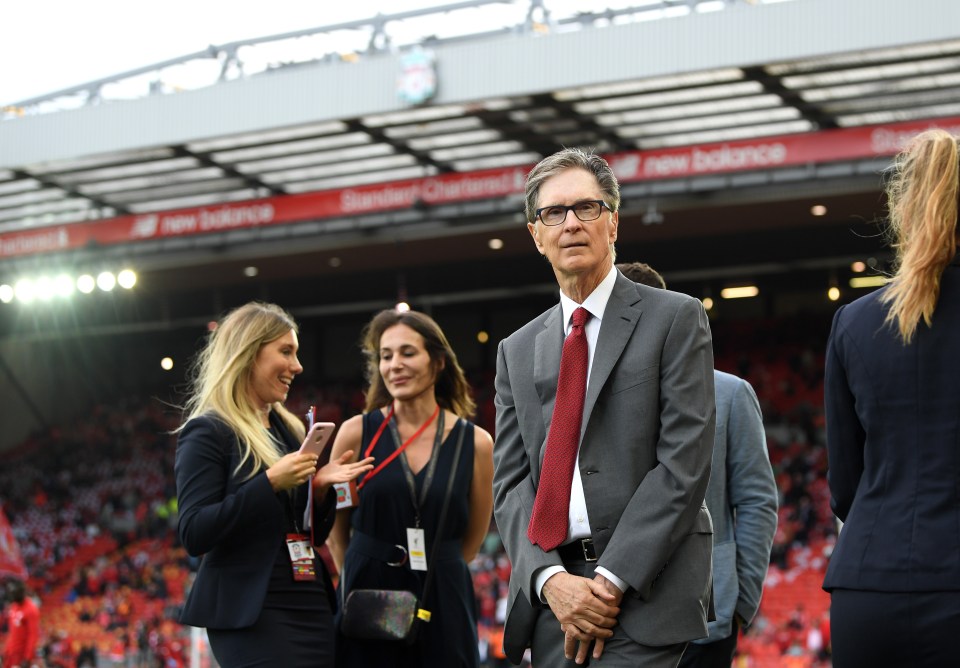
(43,288)
(127,278)
(63,285)
(86,284)
(106,281)
(24,290)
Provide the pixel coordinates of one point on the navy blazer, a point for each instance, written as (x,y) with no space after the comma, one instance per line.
(235,521)
(893,440)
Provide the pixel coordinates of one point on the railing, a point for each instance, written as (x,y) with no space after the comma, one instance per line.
(354,40)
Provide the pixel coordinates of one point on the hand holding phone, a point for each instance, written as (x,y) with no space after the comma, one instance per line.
(316,441)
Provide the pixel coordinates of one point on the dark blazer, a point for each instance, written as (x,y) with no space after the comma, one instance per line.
(236,522)
(893,440)
(645,452)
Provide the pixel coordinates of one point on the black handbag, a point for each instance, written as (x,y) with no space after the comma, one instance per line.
(380,614)
(395,614)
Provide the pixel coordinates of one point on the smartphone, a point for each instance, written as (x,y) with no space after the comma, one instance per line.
(317,439)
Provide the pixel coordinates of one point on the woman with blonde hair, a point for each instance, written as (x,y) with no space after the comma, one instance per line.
(242,486)
(892,394)
(415,425)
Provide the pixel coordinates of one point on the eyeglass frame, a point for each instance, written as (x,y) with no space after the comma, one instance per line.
(571,207)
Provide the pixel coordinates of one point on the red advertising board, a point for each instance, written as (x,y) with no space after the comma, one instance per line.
(630,167)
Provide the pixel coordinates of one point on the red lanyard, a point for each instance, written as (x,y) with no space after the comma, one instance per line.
(395,453)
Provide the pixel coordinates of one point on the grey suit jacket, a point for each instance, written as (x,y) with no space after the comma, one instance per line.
(645,451)
(742,498)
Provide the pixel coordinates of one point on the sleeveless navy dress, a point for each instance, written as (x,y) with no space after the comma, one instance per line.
(380,522)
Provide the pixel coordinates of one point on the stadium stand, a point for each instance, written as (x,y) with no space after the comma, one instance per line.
(92,507)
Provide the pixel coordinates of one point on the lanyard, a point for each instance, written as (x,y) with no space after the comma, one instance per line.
(292,493)
(393,455)
(431,468)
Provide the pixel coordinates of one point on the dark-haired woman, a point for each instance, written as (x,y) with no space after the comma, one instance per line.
(416,405)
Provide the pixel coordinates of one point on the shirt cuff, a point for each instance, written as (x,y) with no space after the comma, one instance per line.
(621,585)
(541,578)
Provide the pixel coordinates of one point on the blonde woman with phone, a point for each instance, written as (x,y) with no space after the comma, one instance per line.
(244,470)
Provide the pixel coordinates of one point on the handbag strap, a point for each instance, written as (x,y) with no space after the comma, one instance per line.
(422,613)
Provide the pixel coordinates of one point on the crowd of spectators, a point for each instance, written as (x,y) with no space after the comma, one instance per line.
(93,508)
(783,360)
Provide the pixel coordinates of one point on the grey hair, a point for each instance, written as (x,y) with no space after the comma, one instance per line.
(570,158)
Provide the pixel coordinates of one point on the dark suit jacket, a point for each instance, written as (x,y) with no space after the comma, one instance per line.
(235,522)
(893,439)
(646,444)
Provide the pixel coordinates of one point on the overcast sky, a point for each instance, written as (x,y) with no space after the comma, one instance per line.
(49,45)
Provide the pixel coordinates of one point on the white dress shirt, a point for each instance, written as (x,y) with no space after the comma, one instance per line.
(578,525)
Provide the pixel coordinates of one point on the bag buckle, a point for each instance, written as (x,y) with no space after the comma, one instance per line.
(403,559)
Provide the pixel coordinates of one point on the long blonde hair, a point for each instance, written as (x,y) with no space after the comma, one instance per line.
(220,380)
(922,203)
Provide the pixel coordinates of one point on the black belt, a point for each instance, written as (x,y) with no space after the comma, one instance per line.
(579,550)
(396,555)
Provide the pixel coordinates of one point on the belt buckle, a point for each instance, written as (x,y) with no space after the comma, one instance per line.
(589,553)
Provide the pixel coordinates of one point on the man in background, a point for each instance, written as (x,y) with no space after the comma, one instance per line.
(23,624)
(742,498)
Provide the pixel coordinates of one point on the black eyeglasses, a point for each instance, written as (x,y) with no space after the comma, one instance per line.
(586,211)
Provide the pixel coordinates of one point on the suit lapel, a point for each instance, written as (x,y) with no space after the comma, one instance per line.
(620,318)
(548,346)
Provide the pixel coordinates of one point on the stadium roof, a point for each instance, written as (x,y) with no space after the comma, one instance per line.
(725,88)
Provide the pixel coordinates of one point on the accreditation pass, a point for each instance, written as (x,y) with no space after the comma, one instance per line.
(417,549)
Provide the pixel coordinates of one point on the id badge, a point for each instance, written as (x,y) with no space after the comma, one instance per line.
(347,496)
(417,549)
(301,557)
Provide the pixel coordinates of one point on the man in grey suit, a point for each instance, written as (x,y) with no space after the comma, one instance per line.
(631,577)
(742,499)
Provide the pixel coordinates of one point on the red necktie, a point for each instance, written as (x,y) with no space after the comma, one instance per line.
(548,523)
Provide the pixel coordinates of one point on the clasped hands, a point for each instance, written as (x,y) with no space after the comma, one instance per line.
(587,610)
